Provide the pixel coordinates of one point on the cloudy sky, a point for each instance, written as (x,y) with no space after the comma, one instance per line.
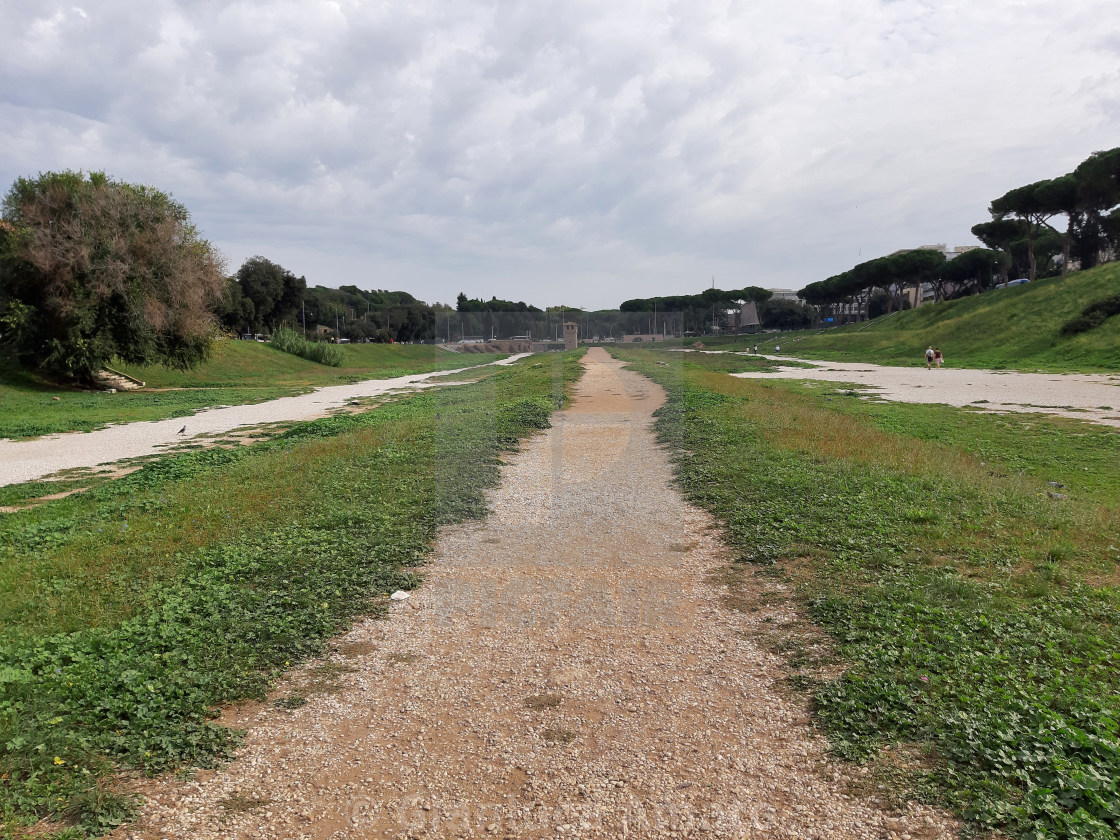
(563,151)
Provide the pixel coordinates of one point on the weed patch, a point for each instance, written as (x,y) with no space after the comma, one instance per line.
(557,736)
(540,702)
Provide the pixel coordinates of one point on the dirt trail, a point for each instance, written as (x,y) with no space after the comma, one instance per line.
(1094,397)
(27,460)
(568,669)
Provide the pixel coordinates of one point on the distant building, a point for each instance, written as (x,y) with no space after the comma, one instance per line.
(748,316)
(782,294)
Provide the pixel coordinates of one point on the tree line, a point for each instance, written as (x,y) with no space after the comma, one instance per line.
(1020,234)
(263,296)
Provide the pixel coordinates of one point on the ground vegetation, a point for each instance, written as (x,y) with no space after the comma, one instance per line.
(963,567)
(131,611)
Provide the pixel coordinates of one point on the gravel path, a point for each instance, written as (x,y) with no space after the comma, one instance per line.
(568,669)
(1092,397)
(27,460)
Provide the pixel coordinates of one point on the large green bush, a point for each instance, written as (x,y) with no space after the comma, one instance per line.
(93,269)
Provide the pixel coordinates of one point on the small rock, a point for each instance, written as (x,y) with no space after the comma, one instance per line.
(400,595)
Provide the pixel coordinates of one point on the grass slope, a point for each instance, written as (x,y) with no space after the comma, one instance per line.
(1015,328)
(129,612)
(961,619)
(237,373)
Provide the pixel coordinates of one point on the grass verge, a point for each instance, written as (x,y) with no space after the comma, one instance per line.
(238,373)
(131,611)
(1019,328)
(975,607)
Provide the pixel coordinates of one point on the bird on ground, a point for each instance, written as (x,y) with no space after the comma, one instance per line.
(183,430)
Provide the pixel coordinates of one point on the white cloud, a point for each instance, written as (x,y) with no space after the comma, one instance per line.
(554,149)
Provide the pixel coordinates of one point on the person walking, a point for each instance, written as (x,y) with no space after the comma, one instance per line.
(929,357)
(937,357)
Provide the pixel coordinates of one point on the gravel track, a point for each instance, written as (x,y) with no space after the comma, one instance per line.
(27,460)
(1092,397)
(568,669)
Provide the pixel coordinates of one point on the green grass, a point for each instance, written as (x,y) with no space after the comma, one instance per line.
(131,611)
(1017,328)
(1080,456)
(238,373)
(977,614)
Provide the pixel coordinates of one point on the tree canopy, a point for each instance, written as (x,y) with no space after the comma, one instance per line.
(93,269)
(705,299)
(973,271)
(374,314)
(889,275)
(273,294)
(466,304)
(1085,197)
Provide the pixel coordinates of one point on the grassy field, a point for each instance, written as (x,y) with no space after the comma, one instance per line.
(960,631)
(131,611)
(1016,328)
(238,372)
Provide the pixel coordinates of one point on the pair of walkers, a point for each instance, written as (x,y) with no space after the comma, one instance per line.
(933,356)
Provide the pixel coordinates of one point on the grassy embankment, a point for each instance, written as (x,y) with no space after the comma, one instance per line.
(1016,328)
(973,604)
(131,611)
(238,372)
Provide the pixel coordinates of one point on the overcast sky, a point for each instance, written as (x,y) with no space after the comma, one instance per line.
(563,151)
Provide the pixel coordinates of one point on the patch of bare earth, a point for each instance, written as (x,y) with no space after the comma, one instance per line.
(572,667)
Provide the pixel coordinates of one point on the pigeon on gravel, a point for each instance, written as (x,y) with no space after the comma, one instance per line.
(183,430)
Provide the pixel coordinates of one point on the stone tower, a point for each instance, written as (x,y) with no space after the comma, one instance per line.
(571,336)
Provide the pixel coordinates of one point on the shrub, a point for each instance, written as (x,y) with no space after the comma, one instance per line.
(1092,316)
(289,341)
